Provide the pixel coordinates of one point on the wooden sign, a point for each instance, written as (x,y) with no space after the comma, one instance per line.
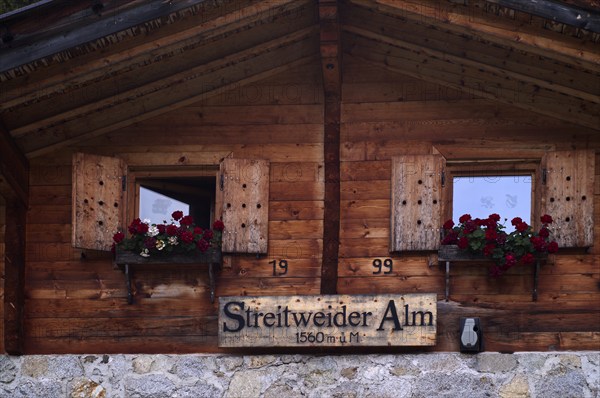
(326,321)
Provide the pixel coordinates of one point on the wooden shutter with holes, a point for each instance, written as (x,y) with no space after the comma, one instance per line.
(416,202)
(568,196)
(245,204)
(97,195)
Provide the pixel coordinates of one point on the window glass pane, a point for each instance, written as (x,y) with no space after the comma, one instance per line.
(157,207)
(480,196)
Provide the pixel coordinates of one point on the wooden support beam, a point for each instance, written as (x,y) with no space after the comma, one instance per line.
(331,66)
(14,169)
(174,91)
(93,28)
(503,60)
(87,70)
(14,276)
(470,21)
(459,73)
(563,13)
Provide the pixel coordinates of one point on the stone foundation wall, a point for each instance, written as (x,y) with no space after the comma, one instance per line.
(544,375)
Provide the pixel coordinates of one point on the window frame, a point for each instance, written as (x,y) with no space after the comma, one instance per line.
(500,167)
(136,176)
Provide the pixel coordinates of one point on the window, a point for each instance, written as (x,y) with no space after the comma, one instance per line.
(428,189)
(158,198)
(107,195)
(507,189)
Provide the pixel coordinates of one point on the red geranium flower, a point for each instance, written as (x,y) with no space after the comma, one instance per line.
(202,245)
(491,223)
(118,237)
(522,227)
(544,233)
(133,227)
(489,249)
(162,228)
(552,247)
(495,217)
(491,235)
(142,228)
(501,238)
(546,219)
(198,231)
(450,239)
(511,260)
(150,243)
(171,230)
(208,234)
(470,226)
(186,237)
(463,243)
(447,225)
(464,218)
(516,221)
(539,243)
(187,220)
(218,225)
(528,259)
(177,215)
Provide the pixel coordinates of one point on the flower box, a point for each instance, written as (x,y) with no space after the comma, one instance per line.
(211,255)
(453,253)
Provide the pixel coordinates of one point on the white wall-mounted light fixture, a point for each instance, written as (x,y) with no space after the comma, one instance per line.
(471,336)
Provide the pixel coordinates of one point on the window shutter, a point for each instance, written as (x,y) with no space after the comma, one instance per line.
(97,195)
(245,185)
(568,196)
(416,202)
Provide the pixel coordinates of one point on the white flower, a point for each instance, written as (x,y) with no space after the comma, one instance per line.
(160,244)
(145,253)
(146,221)
(152,231)
(173,241)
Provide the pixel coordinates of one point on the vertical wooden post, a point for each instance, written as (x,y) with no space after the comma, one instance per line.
(330,47)
(14,187)
(14,276)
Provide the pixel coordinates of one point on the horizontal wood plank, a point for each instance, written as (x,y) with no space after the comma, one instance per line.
(281,210)
(360,209)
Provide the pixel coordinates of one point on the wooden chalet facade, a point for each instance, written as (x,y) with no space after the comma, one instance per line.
(346,114)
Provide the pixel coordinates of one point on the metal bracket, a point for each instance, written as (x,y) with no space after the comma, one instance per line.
(544,176)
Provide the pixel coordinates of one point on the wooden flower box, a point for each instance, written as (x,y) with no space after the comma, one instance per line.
(211,259)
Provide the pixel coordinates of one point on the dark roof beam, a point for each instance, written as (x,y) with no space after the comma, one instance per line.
(469,21)
(176,91)
(89,69)
(468,76)
(570,15)
(70,37)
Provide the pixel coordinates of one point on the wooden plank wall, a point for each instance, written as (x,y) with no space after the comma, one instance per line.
(2,278)
(78,304)
(376,126)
